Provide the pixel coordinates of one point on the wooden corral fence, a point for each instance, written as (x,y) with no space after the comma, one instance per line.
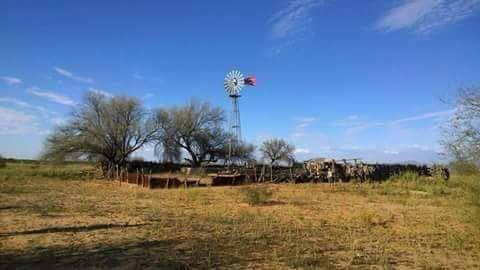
(227,179)
(146,179)
(139,178)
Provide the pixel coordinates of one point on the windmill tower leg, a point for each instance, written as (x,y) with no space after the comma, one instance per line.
(236,129)
(236,122)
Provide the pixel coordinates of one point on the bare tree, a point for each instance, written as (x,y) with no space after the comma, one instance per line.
(275,150)
(168,150)
(240,152)
(105,129)
(196,128)
(461,135)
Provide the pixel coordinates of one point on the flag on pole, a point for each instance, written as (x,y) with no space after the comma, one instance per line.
(251,80)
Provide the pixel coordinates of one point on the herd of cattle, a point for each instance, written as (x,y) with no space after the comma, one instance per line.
(330,170)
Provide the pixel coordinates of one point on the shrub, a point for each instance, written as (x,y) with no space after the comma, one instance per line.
(408,176)
(3,162)
(257,195)
(411,181)
(370,219)
(406,180)
(475,193)
(463,167)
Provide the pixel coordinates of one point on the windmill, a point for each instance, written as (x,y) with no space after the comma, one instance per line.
(233,84)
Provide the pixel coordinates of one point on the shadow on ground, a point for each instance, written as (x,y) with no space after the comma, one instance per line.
(75,229)
(9,207)
(142,254)
(132,256)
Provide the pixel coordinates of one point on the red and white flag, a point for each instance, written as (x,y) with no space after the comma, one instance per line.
(251,80)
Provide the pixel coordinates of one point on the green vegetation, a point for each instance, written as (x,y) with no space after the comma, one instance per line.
(3,162)
(32,170)
(463,168)
(412,182)
(257,195)
(407,222)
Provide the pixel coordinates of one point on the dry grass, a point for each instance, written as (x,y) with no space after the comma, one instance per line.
(78,223)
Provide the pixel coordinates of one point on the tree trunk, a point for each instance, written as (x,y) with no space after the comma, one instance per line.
(195,162)
(271,172)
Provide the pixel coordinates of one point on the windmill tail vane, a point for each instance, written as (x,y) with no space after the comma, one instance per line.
(251,80)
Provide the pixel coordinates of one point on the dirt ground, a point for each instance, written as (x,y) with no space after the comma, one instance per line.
(51,223)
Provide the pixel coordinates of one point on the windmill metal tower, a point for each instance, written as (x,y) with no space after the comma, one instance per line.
(233,84)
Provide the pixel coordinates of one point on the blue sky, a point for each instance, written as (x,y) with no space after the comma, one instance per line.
(337,78)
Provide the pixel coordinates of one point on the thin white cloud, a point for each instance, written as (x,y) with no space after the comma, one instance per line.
(351,120)
(290,24)
(15,102)
(293,19)
(24,104)
(298,134)
(148,96)
(22,117)
(137,76)
(70,75)
(302,151)
(421,147)
(354,124)
(263,137)
(361,126)
(58,120)
(13,117)
(391,152)
(302,123)
(15,122)
(53,97)
(425,116)
(101,92)
(411,149)
(426,15)
(11,80)
(351,117)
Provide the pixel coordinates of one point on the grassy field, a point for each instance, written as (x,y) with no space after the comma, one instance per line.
(57,215)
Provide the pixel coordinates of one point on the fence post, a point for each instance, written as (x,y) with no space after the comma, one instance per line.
(150,180)
(137,178)
(291,175)
(121,178)
(262,173)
